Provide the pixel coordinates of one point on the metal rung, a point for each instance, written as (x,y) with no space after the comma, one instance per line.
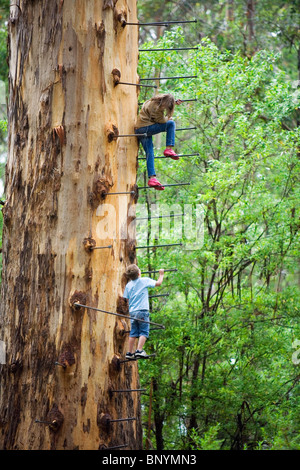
(128,331)
(159,246)
(41,421)
(100,247)
(77,304)
(158,216)
(128,390)
(179,129)
(120,419)
(167,78)
(113,194)
(181,156)
(136,84)
(159,23)
(136,359)
(130,135)
(114,447)
(183,101)
(157,271)
(60,364)
(158,295)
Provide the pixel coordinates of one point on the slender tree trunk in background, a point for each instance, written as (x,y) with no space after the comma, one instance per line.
(149,416)
(61,162)
(250,13)
(298,86)
(158,416)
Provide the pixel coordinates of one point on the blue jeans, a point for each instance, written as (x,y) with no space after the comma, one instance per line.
(139,328)
(147,142)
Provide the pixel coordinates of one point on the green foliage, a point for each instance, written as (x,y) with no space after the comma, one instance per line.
(209,441)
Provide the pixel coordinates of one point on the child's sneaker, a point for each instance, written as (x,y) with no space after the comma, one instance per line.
(141,354)
(130,356)
(154,183)
(171,153)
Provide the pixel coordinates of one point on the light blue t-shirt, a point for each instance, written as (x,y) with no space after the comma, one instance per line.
(137,293)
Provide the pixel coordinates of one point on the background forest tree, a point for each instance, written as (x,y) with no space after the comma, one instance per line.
(63,159)
(226,374)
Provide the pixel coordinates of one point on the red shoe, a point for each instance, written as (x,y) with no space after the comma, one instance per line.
(154,183)
(171,153)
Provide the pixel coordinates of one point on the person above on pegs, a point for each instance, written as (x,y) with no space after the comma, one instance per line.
(156,117)
(136,291)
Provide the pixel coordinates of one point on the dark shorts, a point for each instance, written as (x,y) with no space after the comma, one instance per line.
(139,328)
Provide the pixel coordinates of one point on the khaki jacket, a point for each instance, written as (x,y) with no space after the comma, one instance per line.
(150,114)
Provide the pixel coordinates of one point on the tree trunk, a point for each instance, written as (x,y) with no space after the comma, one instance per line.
(194,400)
(63,158)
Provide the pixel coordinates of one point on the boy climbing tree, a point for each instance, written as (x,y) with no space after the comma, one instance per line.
(136,291)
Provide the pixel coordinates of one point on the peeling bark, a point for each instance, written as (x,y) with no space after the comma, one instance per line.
(60,163)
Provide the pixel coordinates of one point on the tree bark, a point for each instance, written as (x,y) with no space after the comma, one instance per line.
(63,158)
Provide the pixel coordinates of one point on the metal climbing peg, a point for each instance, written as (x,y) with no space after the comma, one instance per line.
(159,23)
(130,135)
(167,78)
(128,390)
(169,49)
(159,246)
(60,364)
(120,419)
(77,305)
(185,128)
(103,447)
(136,84)
(157,271)
(163,156)
(41,421)
(136,359)
(158,216)
(100,247)
(158,295)
(114,194)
